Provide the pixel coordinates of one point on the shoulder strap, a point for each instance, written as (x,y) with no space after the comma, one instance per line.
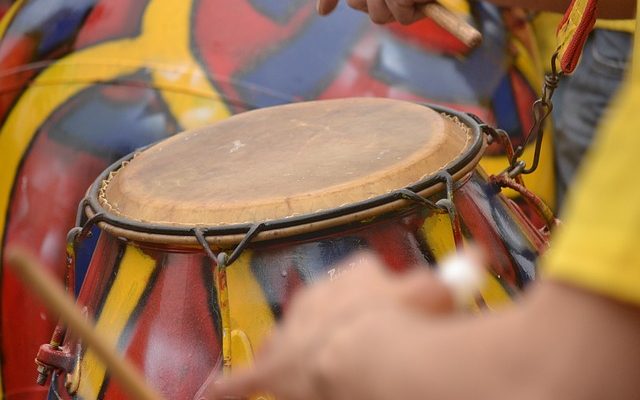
(573,32)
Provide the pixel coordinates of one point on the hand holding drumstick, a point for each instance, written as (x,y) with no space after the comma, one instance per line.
(376,336)
(330,320)
(409,11)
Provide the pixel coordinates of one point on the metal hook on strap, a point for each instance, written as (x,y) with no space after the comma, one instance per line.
(541,110)
(449,205)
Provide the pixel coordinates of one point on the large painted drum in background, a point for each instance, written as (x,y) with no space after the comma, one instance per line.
(206,235)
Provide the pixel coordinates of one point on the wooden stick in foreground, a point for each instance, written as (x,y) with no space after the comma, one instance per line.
(455,25)
(58,301)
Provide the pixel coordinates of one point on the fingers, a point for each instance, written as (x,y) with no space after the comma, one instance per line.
(325,7)
(287,364)
(240,385)
(420,288)
(403,11)
(422,291)
(360,5)
(249,381)
(379,12)
(282,370)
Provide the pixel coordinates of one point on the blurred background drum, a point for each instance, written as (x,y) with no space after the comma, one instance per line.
(205,236)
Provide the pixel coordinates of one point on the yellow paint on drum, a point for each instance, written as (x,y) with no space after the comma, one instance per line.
(438,232)
(439,238)
(493,294)
(130,283)
(251,316)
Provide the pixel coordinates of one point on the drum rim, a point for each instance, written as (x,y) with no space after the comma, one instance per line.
(228,235)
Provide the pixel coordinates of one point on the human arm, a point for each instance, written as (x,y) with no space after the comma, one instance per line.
(406,11)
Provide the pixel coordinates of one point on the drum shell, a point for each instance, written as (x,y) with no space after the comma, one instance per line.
(160,305)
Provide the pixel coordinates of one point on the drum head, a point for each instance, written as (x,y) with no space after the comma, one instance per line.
(284,161)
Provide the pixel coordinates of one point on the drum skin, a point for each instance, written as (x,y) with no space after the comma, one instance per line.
(160,307)
(83,83)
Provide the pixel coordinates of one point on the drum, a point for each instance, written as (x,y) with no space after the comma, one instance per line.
(68,111)
(205,236)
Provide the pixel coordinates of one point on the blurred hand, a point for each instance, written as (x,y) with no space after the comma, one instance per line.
(328,314)
(380,11)
(560,343)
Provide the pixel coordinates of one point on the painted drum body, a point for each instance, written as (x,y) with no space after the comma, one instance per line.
(160,306)
(158,294)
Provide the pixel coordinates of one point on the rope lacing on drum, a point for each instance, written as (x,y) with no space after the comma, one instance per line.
(447,204)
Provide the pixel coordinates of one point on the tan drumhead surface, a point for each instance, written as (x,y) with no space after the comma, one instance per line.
(284,161)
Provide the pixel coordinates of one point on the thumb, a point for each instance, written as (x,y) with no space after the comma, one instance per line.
(240,385)
(249,380)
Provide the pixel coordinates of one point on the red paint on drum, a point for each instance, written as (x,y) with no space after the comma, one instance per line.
(32,224)
(173,337)
(397,244)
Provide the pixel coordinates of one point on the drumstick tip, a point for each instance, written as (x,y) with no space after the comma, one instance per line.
(463,274)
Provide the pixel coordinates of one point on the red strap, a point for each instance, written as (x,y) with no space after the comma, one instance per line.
(570,54)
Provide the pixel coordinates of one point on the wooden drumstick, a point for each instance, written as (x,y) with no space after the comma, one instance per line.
(453,23)
(58,301)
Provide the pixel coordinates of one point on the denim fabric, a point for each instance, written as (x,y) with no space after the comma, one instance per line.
(583,99)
